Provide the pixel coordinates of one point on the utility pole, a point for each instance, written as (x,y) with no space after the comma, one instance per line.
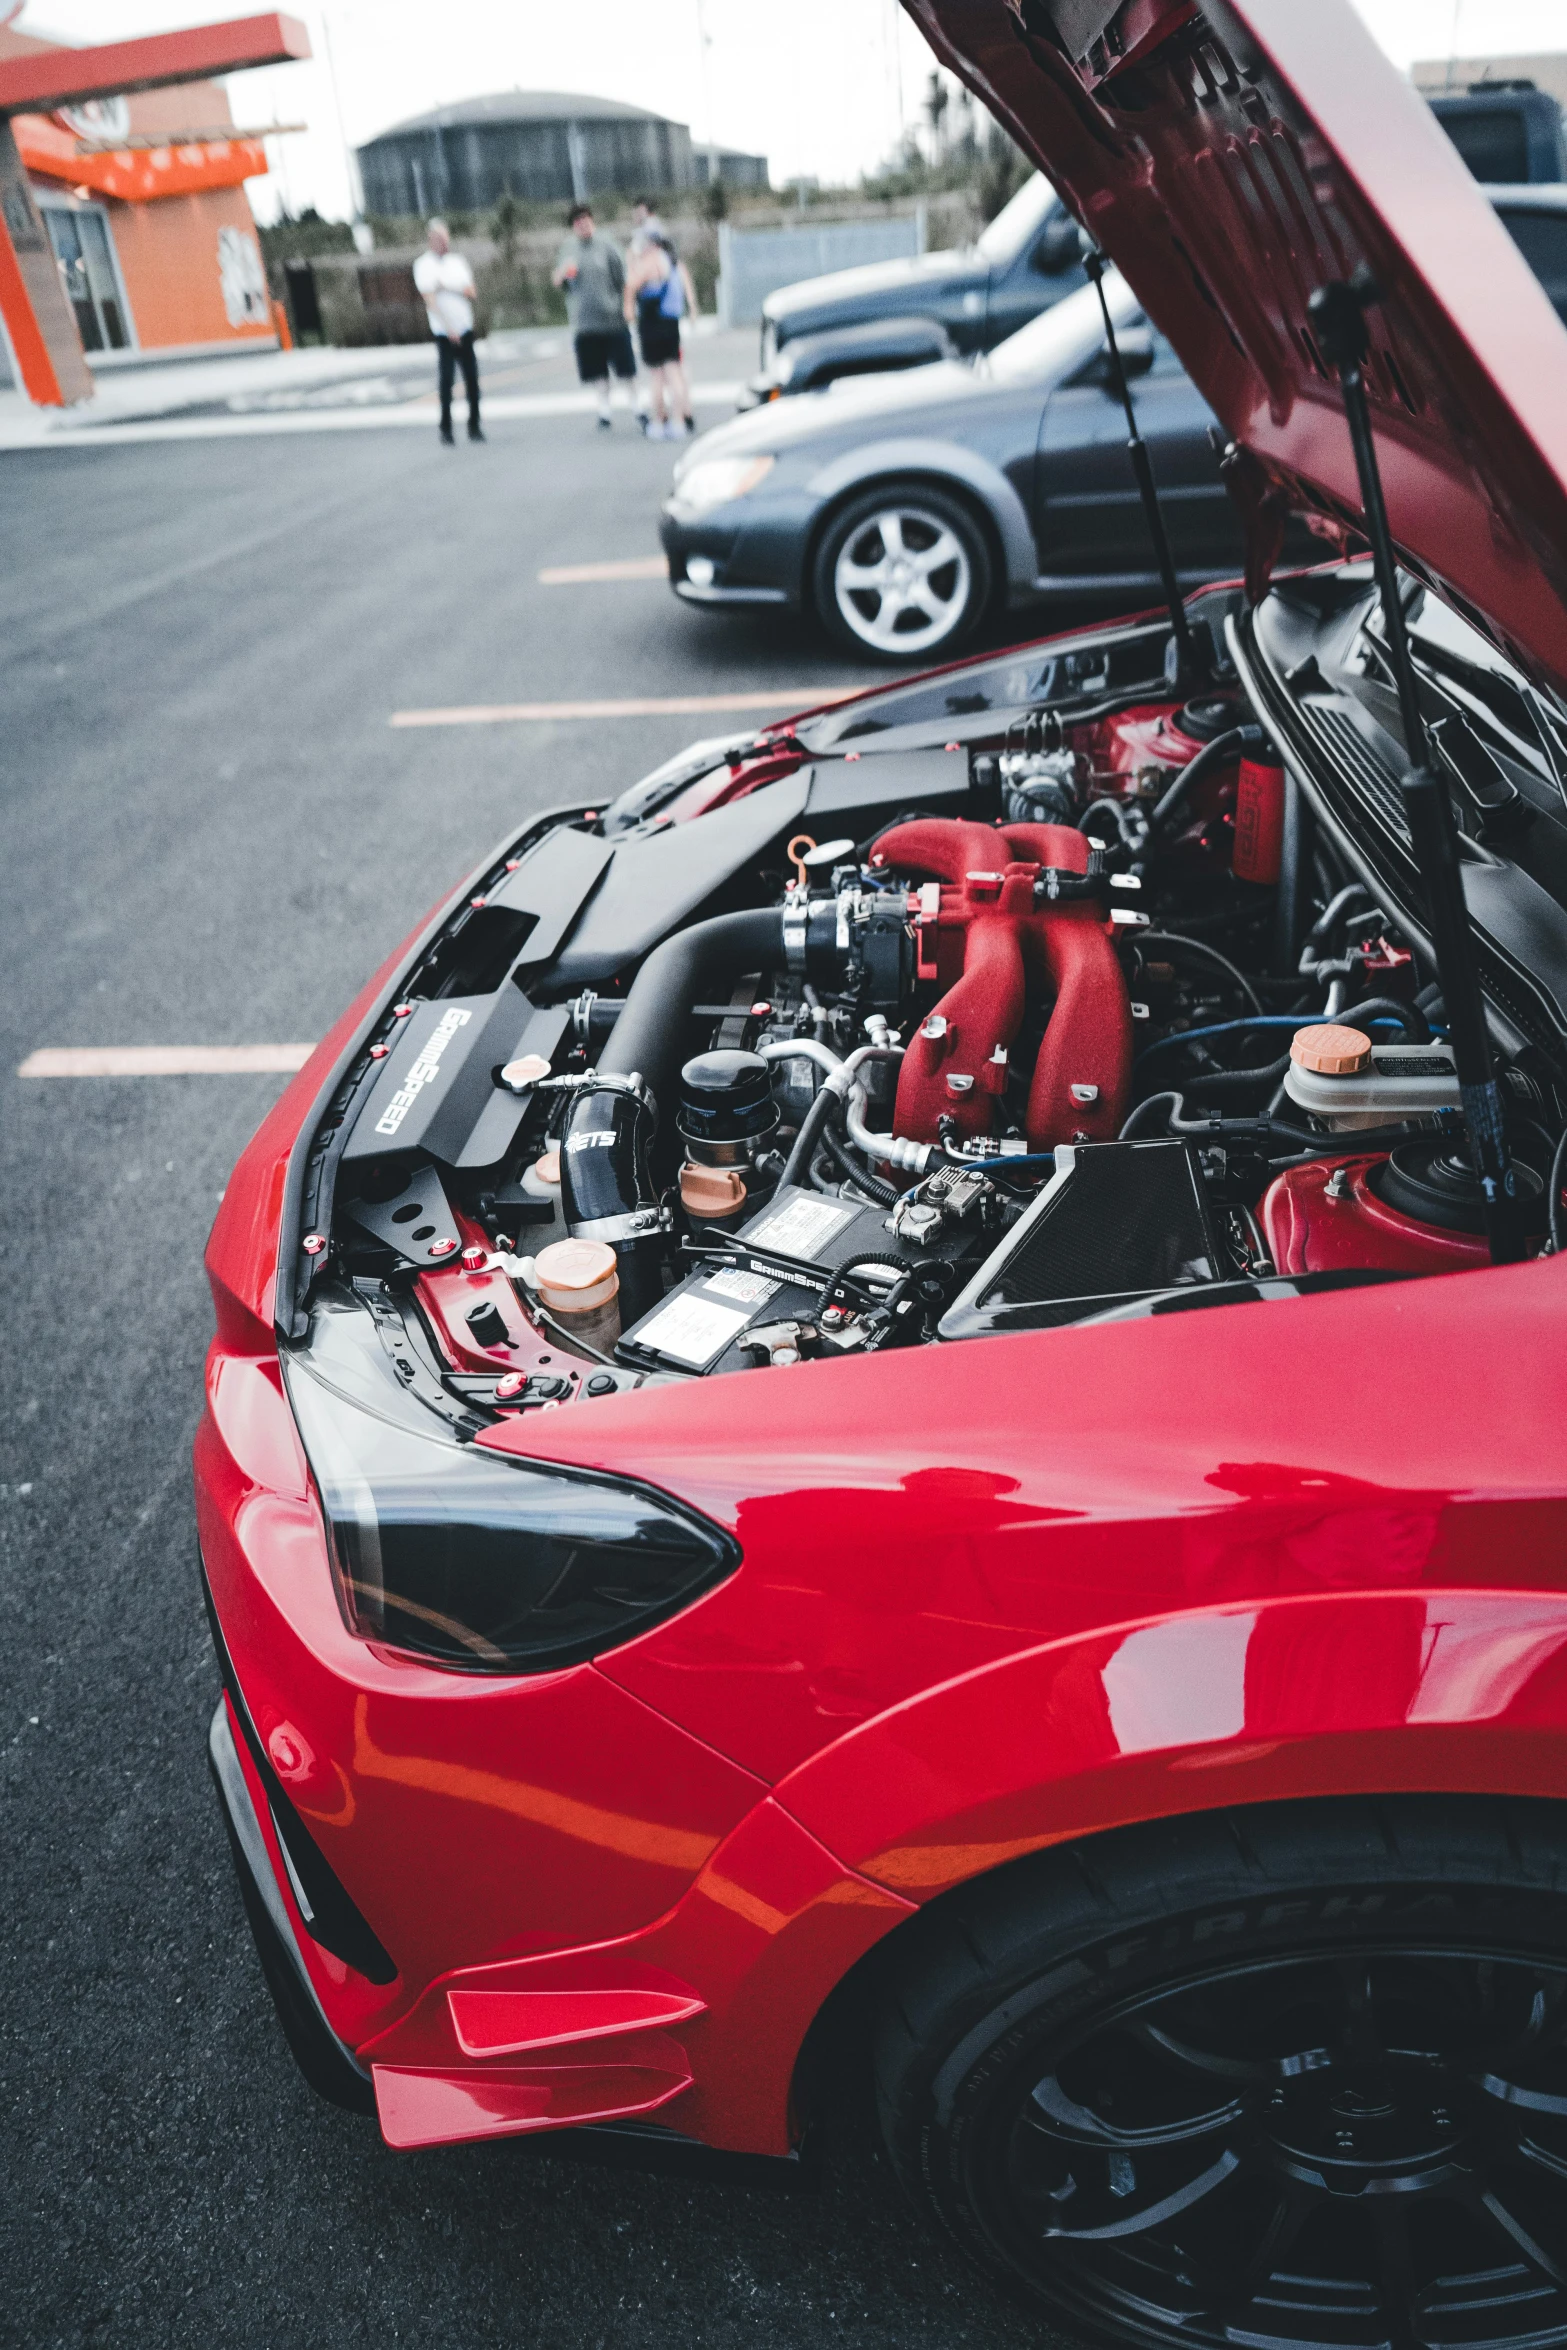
(704,43)
(356,196)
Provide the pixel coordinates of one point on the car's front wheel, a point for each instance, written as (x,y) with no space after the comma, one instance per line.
(1286,2078)
(903,573)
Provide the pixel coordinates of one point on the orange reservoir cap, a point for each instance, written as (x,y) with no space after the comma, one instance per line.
(1331,1051)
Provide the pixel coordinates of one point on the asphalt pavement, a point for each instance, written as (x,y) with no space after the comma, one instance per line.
(210,832)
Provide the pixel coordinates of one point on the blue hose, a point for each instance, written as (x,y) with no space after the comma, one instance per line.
(1256,1020)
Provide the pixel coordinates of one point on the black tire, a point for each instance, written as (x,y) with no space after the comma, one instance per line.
(942,549)
(1287,2077)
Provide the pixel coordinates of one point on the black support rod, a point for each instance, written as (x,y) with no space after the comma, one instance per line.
(1338,319)
(1191,669)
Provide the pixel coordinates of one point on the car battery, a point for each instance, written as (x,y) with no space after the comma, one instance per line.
(775,1270)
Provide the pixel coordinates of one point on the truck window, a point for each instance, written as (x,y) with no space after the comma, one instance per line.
(1541,237)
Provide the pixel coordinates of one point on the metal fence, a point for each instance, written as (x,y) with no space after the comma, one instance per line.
(753,263)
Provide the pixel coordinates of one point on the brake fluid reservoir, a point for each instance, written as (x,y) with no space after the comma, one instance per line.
(1343,1078)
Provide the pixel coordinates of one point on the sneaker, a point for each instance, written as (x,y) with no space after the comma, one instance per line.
(690,425)
(657,429)
(604,424)
(475,433)
(448,438)
(645,423)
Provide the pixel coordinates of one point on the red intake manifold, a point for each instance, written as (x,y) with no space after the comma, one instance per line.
(980,936)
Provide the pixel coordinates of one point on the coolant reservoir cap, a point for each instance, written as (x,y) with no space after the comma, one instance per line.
(1331,1051)
(576,1276)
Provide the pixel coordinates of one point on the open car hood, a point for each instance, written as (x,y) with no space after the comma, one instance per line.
(1234,155)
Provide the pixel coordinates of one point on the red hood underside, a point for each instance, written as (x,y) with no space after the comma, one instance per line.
(1234,156)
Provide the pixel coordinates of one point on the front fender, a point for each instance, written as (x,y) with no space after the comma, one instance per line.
(1356,1693)
(937,460)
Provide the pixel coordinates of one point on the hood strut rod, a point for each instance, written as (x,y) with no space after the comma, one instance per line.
(1338,319)
(1190,668)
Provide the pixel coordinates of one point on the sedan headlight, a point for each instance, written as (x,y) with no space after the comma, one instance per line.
(714,481)
(484,1562)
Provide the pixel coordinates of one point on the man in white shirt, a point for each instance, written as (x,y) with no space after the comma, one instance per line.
(446,283)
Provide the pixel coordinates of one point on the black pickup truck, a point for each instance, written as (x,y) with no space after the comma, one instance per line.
(1024,262)
(1508,132)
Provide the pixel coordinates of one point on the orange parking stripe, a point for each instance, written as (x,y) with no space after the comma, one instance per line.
(787,697)
(163,1060)
(581,574)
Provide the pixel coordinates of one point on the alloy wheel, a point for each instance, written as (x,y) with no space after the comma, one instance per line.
(902,580)
(1354,2150)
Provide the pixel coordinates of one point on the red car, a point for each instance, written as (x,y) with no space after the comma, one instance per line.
(1133,1723)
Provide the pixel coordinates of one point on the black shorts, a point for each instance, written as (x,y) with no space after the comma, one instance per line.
(605,350)
(658,335)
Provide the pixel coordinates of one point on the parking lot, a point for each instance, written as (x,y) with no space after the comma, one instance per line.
(212,832)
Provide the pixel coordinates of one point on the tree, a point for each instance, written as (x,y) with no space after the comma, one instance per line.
(1002,171)
(506,226)
(936,105)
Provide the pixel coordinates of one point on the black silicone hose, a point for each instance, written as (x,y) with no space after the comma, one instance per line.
(1259,1131)
(797,1167)
(651,1034)
(1558,1175)
(1204,953)
(1385,1007)
(1218,753)
(1220,1085)
(874,1186)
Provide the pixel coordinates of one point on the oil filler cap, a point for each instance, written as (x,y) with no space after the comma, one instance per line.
(1331,1051)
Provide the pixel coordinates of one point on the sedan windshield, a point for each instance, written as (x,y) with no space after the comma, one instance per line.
(1063,337)
(1016,222)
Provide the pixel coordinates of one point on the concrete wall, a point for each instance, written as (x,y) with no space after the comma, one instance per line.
(753,263)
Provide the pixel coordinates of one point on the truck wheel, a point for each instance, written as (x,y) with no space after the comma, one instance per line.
(1285,2077)
(903,573)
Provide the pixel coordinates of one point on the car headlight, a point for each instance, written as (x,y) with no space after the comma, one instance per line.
(714,481)
(487,1563)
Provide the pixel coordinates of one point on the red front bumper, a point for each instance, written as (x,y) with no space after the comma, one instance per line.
(591,1913)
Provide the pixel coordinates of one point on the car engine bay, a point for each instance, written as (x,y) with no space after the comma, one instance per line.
(1070,1013)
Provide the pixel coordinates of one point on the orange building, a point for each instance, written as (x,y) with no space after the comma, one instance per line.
(143,201)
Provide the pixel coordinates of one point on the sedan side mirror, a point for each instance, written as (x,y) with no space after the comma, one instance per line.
(1137,357)
(1059,249)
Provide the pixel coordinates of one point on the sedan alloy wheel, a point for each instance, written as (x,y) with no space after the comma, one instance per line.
(900,575)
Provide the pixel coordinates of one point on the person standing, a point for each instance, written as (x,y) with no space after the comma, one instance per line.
(446,283)
(645,226)
(593,274)
(660,294)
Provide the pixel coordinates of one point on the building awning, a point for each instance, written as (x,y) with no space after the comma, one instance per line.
(142,170)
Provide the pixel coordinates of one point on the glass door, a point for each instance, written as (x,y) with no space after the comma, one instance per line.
(87,272)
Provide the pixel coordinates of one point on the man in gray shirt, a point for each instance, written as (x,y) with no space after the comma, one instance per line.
(594,276)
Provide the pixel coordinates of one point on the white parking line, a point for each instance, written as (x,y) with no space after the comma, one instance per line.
(163,1060)
(788,697)
(36,431)
(582,574)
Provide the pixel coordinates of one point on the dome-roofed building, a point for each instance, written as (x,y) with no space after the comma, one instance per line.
(543,146)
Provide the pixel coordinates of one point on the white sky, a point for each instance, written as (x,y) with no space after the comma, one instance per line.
(821,87)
